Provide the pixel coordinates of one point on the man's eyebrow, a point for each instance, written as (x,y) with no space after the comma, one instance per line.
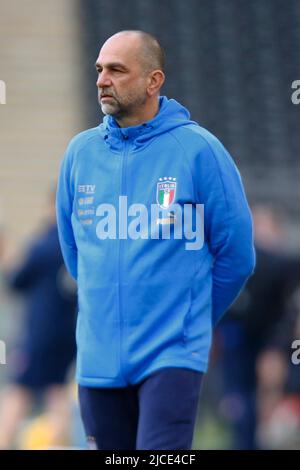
(111,65)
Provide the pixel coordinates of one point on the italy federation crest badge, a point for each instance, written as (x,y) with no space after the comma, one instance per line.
(166,192)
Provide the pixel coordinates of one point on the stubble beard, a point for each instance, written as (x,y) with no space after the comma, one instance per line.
(120,109)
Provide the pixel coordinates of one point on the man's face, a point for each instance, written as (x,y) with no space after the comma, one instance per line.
(121,81)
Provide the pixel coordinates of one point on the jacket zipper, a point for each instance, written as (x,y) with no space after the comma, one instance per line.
(120,254)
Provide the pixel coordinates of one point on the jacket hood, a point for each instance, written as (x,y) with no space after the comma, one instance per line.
(171,114)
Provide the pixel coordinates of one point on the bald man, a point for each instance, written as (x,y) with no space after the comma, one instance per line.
(155,227)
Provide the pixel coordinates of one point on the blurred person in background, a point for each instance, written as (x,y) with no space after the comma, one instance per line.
(278,377)
(45,351)
(254,326)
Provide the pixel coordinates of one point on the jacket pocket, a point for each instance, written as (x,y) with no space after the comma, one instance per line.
(186,320)
(98,333)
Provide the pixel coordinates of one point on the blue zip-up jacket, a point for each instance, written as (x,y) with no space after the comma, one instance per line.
(147,301)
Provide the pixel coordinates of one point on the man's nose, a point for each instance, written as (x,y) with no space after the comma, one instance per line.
(103,80)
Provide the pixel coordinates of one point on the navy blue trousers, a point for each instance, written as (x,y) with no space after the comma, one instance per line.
(157,413)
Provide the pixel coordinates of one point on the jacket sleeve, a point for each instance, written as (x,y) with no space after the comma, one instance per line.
(227,225)
(64,207)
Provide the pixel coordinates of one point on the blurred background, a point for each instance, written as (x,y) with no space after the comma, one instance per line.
(232,64)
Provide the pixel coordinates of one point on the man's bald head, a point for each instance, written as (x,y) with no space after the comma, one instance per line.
(130,75)
(149,52)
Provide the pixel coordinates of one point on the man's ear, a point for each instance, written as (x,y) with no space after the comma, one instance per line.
(155,82)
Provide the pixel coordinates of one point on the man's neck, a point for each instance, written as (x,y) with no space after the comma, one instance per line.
(146,114)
